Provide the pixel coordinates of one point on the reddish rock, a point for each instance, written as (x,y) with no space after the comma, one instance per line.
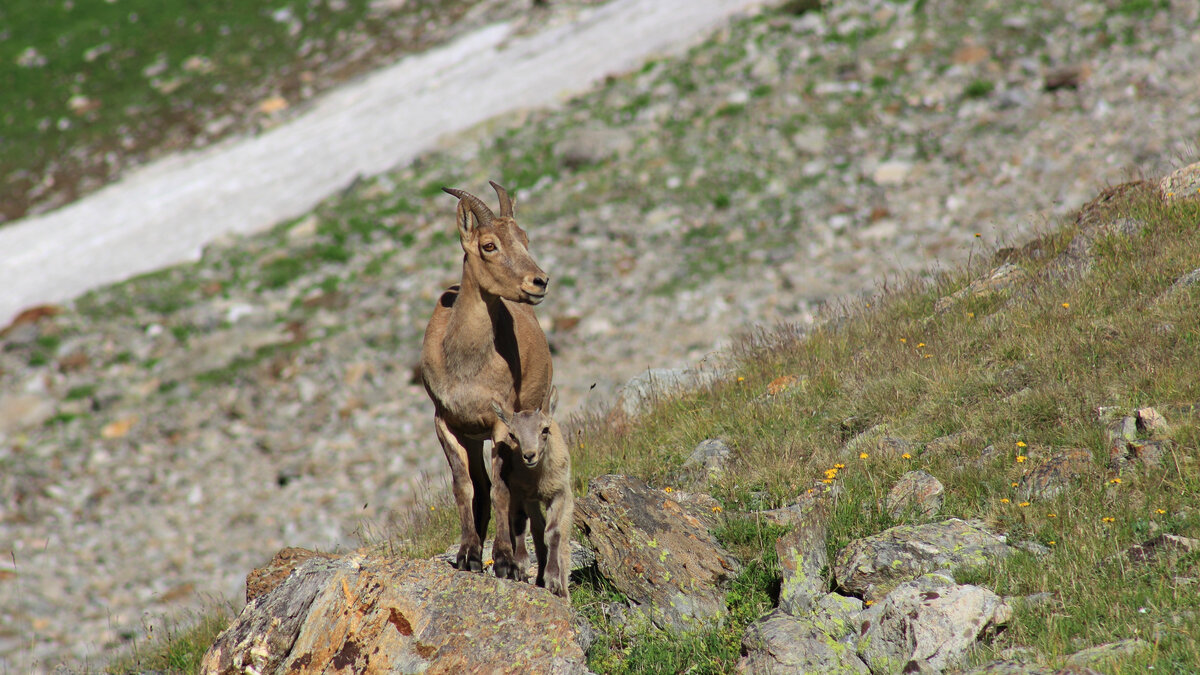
(358,614)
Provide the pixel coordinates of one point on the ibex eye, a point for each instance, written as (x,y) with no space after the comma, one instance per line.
(546,431)
(489,247)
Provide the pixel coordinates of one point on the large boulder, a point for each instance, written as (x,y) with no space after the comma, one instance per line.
(873,566)
(655,547)
(359,613)
(928,624)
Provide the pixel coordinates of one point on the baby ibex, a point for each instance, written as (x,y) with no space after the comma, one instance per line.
(484,345)
(535,465)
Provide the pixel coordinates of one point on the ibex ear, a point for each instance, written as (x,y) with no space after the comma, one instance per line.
(500,414)
(466,223)
(553,400)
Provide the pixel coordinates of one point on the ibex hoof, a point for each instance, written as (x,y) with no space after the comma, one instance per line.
(507,569)
(469,558)
(557,588)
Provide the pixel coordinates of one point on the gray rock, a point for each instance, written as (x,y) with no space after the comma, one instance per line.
(930,621)
(1190,279)
(589,145)
(1151,423)
(835,615)
(1160,545)
(959,442)
(874,565)
(876,441)
(656,549)
(1031,546)
(1000,282)
(655,384)
(1056,473)
(1110,653)
(711,454)
(24,411)
(1183,183)
(803,555)
(779,643)
(917,491)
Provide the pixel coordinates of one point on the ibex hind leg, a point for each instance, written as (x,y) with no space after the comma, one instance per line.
(466,495)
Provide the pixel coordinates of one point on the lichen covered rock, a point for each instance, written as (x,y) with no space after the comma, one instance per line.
(655,547)
(928,623)
(874,565)
(780,643)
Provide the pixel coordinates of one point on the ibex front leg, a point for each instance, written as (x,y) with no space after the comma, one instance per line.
(508,549)
(552,539)
(471,494)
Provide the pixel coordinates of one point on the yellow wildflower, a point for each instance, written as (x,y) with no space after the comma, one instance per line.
(903,340)
(970,315)
(1115,480)
(1160,511)
(717,509)
(862,455)
(1020,444)
(1066,305)
(668,490)
(868,603)
(1004,500)
(906,456)
(741,379)
(1051,542)
(1051,515)
(826,481)
(1023,504)
(1108,519)
(839,466)
(1021,459)
(1014,485)
(978,235)
(920,344)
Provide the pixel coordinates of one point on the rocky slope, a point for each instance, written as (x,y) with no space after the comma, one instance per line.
(160,438)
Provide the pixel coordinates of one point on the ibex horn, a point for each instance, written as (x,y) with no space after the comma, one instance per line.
(482,213)
(506,206)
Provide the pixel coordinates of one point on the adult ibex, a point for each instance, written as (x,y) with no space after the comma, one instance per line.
(484,345)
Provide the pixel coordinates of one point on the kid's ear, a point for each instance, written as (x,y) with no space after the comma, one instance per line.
(553,400)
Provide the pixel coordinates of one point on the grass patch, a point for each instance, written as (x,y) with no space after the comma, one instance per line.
(979,88)
(175,647)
